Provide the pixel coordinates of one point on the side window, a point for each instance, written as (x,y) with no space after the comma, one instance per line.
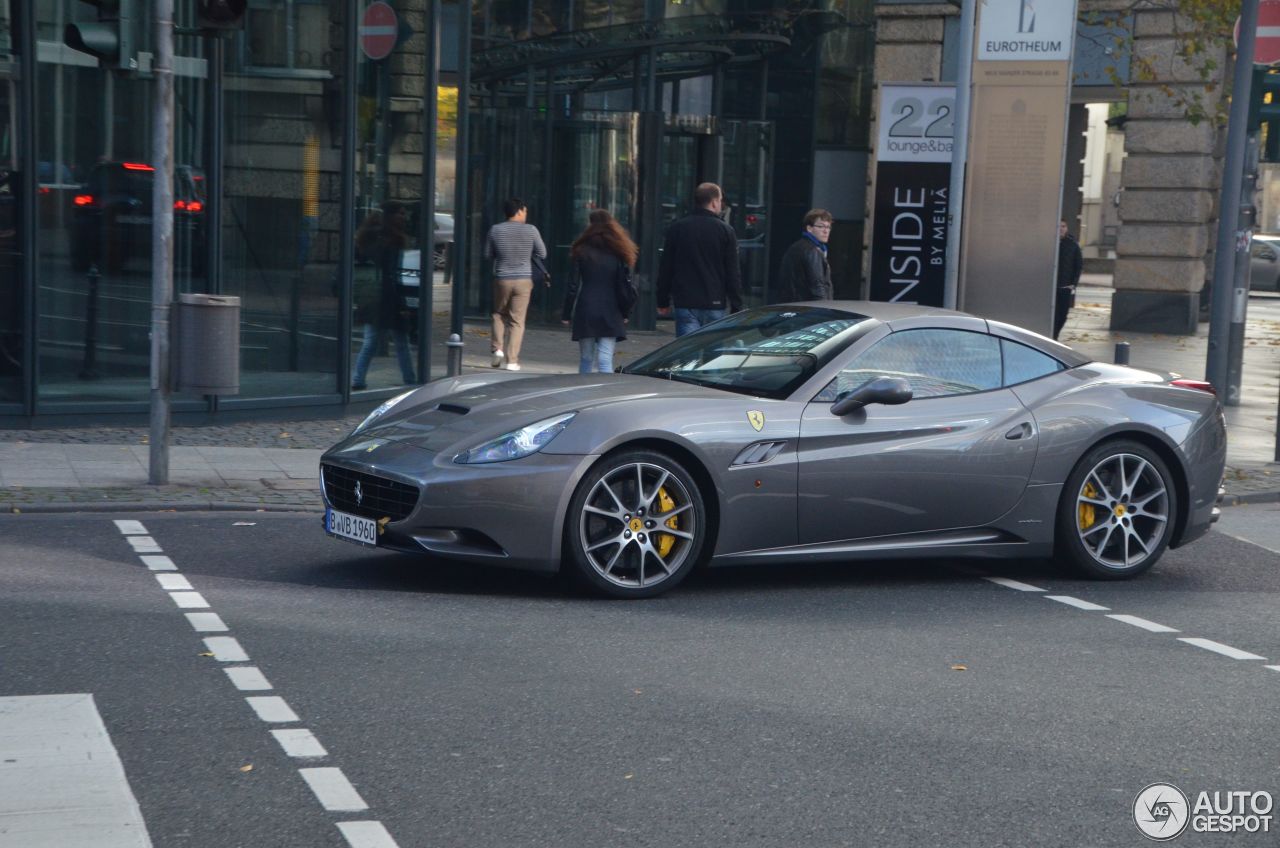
(1022,363)
(934,362)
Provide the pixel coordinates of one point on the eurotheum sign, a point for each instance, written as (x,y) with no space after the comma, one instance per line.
(1026,30)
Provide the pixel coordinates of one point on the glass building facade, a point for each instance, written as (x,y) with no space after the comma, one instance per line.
(289,139)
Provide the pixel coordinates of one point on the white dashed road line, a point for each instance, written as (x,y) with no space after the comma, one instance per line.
(1219,648)
(366,834)
(1151,626)
(189,600)
(207,622)
(1013,584)
(332,789)
(226,649)
(1143,623)
(246,678)
(174,582)
(272,708)
(1076,602)
(330,786)
(299,742)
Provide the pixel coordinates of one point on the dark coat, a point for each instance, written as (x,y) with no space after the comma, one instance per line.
(600,295)
(1070,262)
(805,272)
(699,268)
(377,294)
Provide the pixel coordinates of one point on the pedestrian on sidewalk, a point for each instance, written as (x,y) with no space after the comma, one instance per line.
(600,293)
(380,243)
(512,245)
(699,271)
(805,271)
(1070,264)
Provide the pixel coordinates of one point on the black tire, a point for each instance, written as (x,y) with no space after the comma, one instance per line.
(636,526)
(1117,511)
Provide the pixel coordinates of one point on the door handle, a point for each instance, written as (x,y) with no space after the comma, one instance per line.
(1022,431)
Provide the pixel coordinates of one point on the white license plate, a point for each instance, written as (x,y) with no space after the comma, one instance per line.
(351,527)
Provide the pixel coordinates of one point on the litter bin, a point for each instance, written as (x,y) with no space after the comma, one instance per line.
(208,336)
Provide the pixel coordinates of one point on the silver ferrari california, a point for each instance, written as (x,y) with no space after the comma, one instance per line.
(798,432)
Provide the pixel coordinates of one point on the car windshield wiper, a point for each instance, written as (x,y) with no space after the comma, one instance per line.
(753,351)
(672,374)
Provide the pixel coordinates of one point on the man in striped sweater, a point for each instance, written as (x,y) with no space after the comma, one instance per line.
(511,245)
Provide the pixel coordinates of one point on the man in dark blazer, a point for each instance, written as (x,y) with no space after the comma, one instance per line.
(699,269)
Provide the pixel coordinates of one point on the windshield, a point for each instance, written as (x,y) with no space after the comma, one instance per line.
(766,352)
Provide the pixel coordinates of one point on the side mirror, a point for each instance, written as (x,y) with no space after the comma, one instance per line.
(886,390)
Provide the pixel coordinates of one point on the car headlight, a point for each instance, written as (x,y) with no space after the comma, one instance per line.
(381,411)
(523,442)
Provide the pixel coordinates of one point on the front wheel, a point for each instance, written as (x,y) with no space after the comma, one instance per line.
(636,526)
(1117,511)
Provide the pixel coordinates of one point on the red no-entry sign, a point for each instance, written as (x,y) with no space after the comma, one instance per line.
(1266,46)
(379,28)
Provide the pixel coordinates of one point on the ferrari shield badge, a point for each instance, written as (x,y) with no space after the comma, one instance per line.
(756,419)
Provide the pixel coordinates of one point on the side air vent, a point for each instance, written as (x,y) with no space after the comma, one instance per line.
(759,452)
(454,408)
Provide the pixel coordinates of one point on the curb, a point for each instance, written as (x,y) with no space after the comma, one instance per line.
(1250,498)
(154,506)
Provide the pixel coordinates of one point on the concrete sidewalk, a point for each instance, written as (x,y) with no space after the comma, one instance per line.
(273,464)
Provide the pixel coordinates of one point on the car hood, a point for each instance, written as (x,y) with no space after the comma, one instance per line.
(438,419)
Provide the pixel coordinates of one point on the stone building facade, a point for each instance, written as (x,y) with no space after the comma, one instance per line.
(1171,171)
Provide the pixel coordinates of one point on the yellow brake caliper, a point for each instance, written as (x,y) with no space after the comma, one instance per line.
(665,541)
(1086,516)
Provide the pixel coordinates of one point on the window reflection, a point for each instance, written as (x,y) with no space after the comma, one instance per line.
(11,300)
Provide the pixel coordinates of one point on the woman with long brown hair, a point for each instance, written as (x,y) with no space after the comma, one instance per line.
(600,293)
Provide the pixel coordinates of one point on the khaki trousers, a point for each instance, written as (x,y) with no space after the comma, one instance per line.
(510,304)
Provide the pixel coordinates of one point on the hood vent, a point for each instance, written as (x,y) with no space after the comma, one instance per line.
(758,453)
(454,408)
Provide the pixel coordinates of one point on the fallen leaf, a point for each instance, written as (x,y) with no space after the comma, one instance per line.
(205,654)
(958,667)
(247,768)
(627,776)
(637,691)
(284,435)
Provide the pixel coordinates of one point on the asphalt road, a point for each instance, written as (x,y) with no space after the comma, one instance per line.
(897,704)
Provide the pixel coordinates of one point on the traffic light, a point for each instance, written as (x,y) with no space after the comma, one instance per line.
(110,39)
(1264,110)
(220,14)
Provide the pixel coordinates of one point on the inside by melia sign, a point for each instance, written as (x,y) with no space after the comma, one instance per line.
(913,176)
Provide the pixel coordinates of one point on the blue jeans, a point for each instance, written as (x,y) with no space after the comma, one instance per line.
(688,320)
(598,353)
(372,338)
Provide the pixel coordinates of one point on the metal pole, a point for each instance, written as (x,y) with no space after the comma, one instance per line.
(347,204)
(959,156)
(161,241)
(462,199)
(1240,274)
(427,231)
(214,187)
(1230,239)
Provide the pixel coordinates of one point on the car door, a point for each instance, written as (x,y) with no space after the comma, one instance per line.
(958,454)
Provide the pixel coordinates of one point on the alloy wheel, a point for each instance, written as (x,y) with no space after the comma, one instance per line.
(638,525)
(1122,511)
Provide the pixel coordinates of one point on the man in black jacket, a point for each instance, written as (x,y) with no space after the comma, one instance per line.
(1070,264)
(699,269)
(805,271)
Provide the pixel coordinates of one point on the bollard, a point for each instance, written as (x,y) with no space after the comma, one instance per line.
(455,354)
(89,368)
(1122,353)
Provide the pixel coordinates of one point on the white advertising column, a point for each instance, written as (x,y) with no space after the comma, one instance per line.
(1018,120)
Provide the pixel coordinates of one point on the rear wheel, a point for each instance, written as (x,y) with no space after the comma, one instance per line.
(636,526)
(1116,514)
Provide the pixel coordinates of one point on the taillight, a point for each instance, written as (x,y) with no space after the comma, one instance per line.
(83,200)
(188,206)
(1201,385)
(751,220)
(137,166)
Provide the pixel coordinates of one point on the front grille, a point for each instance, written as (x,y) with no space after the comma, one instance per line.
(379,497)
